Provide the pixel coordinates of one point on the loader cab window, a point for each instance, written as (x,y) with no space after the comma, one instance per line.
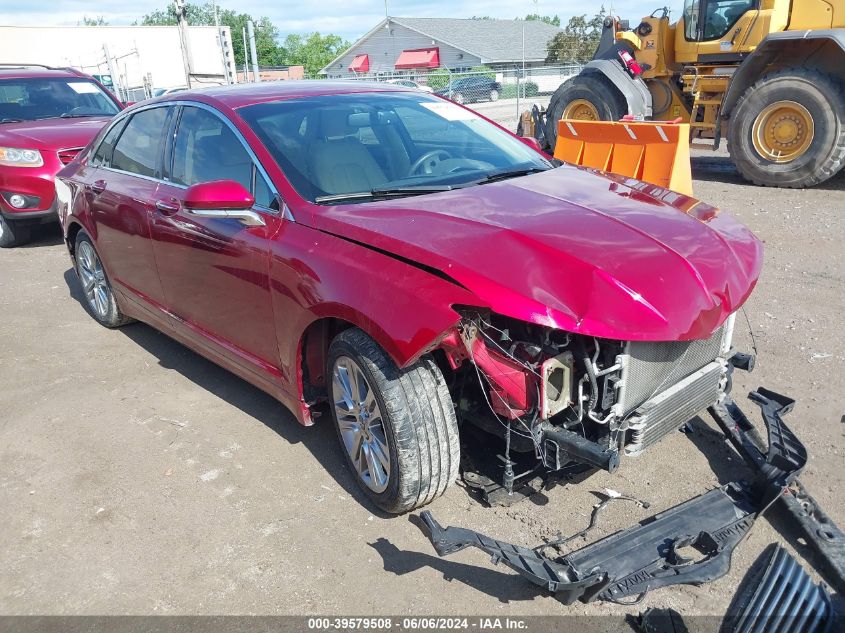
(691,17)
(707,20)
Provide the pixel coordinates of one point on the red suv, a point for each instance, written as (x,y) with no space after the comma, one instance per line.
(47,115)
(414,271)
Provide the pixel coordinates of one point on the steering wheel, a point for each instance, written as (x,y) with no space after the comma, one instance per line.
(426,163)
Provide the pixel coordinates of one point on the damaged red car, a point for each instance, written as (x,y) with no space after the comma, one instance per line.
(416,273)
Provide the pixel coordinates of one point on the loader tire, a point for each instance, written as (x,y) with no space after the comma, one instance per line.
(404,416)
(788,129)
(591,89)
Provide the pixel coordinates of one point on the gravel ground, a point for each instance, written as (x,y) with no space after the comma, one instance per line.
(137,477)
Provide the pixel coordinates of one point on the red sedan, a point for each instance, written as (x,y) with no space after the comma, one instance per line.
(418,272)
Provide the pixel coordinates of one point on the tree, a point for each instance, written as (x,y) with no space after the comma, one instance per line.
(578,41)
(554,20)
(98,21)
(313,51)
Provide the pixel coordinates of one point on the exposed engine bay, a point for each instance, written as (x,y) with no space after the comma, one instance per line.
(577,402)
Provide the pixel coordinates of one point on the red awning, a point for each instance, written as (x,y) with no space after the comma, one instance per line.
(360,64)
(419,58)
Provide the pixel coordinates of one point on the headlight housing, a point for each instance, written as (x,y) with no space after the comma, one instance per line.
(16,157)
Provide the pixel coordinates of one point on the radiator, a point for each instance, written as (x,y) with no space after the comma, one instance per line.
(672,407)
(655,367)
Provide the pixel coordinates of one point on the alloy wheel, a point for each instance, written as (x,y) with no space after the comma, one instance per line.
(360,423)
(93,279)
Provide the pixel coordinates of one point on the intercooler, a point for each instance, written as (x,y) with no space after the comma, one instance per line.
(668,383)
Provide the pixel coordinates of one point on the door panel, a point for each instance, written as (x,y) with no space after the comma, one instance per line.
(120,188)
(215,272)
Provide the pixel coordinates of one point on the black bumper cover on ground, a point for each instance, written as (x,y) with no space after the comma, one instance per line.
(691,543)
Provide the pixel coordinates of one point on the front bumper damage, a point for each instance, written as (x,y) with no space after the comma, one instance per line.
(691,543)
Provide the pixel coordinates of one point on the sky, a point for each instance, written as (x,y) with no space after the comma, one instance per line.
(349,18)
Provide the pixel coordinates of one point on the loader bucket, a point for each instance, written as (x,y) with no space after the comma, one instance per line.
(656,152)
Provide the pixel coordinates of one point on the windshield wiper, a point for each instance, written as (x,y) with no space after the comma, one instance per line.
(67,115)
(383,193)
(10,120)
(510,173)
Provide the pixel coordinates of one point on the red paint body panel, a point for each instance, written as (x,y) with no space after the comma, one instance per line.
(215,277)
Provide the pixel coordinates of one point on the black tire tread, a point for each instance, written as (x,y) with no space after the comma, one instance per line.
(425,428)
(591,81)
(834,163)
(14,234)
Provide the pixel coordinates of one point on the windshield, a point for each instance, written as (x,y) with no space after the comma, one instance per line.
(29,99)
(390,143)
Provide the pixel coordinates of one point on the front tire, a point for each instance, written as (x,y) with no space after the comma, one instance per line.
(494,95)
(13,234)
(396,427)
(585,97)
(458,98)
(788,130)
(99,297)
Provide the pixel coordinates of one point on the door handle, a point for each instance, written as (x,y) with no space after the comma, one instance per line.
(98,186)
(167,207)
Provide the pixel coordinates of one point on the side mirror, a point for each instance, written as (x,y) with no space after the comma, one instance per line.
(222,199)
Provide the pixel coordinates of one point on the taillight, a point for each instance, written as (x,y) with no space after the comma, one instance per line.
(67,155)
(630,63)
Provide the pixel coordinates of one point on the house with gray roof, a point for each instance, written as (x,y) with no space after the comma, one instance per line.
(403,46)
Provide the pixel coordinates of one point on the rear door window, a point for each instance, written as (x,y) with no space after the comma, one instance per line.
(138,148)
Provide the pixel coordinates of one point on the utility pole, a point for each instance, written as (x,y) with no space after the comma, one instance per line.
(221,41)
(115,83)
(250,29)
(184,43)
(246,57)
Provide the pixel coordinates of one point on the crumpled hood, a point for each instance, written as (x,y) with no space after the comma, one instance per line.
(570,248)
(51,134)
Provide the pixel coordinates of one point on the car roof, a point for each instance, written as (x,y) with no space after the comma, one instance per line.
(240,95)
(25,71)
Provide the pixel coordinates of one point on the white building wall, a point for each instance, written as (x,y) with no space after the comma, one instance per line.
(385,45)
(139,50)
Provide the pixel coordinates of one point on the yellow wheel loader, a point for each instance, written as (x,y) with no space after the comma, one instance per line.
(766,75)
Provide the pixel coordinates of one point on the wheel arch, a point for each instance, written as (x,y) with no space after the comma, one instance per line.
(73,229)
(313,346)
(822,50)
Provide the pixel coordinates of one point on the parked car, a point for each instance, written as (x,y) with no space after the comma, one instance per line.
(407,83)
(160,92)
(47,115)
(412,270)
(470,89)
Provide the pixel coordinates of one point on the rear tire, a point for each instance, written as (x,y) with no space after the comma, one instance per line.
(13,234)
(753,133)
(592,88)
(494,95)
(96,287)
(408,410)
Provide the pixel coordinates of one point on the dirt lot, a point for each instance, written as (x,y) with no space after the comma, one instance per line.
(137,477)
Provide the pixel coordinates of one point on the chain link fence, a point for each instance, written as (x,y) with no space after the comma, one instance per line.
(499,94)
